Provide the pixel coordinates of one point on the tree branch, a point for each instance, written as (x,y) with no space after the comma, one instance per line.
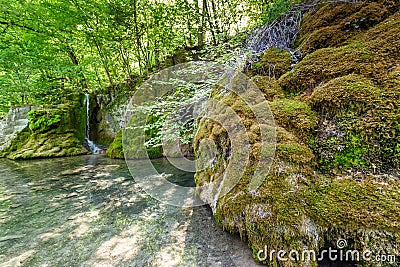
(18,25)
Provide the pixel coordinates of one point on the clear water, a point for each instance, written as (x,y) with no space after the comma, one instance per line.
(88,211)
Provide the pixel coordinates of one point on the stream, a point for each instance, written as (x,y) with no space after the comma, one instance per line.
(88,211)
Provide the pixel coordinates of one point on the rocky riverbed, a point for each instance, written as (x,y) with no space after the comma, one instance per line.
(88,211)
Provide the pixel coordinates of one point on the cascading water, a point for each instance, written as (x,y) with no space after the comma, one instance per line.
(281,33)
(92,146)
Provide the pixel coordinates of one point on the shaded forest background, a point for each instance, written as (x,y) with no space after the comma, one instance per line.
(51,49)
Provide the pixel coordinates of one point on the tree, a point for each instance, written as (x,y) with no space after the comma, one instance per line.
(53,48)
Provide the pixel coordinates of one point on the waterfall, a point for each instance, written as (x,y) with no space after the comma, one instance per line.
(280,33)
(92,146)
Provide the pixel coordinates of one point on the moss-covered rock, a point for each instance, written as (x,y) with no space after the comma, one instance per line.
(274,214)
(360,125)
(332,25)
(371,54)
(273,63)
(295,209)
(295,116)
(268,86)
(155,152)
(324,65)
(348,92)
(51,132)
(48,145)
(255,215)
(336,164)
(115,150)
(132,148)
(44,120)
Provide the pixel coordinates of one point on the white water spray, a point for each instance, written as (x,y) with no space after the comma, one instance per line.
(92,146)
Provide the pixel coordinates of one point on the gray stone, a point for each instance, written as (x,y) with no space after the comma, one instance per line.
(13,123)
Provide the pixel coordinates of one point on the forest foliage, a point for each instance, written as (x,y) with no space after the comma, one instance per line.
(53,48)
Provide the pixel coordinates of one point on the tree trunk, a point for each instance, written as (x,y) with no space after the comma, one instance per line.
(137,37)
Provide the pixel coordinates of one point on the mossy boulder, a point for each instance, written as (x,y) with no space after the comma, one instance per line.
(51,132)
(335,170)
(274,214)
(340,94)
(268,86)
(295,116)
(326,64)
(273,63)
(115,150)
(372,53)
(133,148)
(47,145)
(255,215)
(44,120)
(332,25)
(296,208)
(360,125)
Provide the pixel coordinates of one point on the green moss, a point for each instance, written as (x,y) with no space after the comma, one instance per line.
(239,106)
(295,116)
(274,62)
(294,152)
(343,93)
(330,27)
(232,211)
(274,215)
(363,204)
(77,116)
(371,54)
(115,150)
(268,86)
(326,15)
(155,152)
(348,153)
(392,80)
(359,128)
(47,145)
(326,64)
(42,120)
(291,209)
(17,143)
(131,147)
